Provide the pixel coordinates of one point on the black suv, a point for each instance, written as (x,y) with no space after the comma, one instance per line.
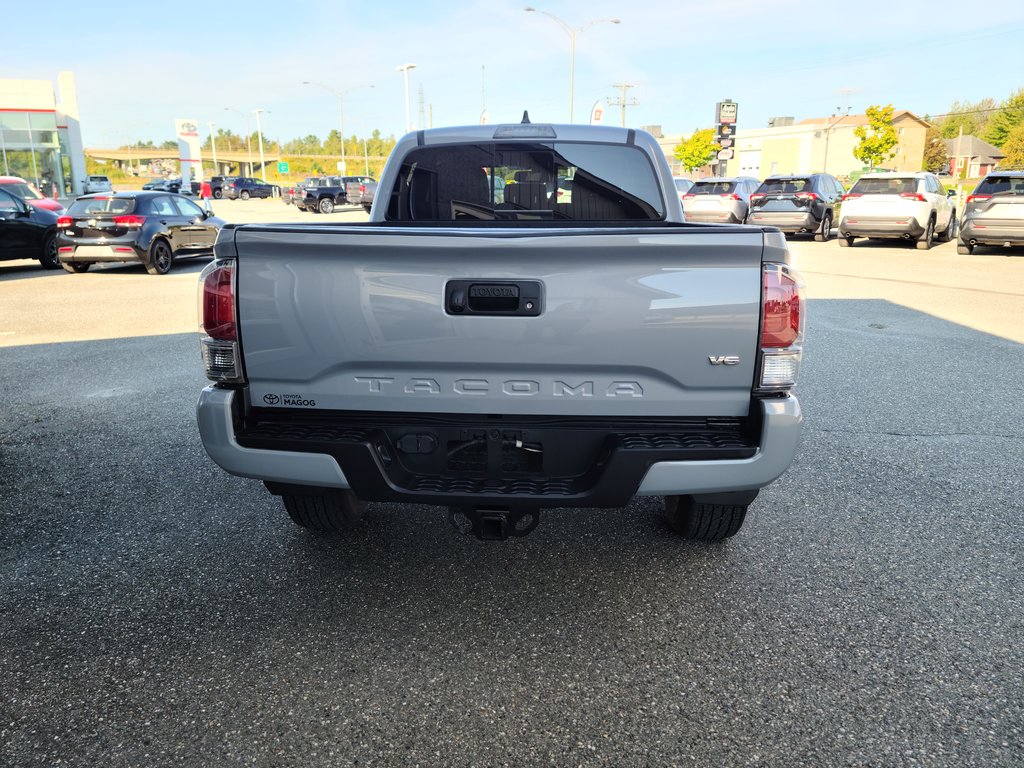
(245,188)
(801,204)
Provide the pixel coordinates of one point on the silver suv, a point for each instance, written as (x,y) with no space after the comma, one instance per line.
(994,214)
(719,200)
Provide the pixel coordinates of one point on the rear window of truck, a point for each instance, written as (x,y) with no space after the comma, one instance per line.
(558,181)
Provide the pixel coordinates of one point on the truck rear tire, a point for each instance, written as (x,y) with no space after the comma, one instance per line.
(330,512)
(698,521)
(326,205)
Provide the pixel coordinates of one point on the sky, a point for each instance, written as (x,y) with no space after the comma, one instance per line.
(138,66)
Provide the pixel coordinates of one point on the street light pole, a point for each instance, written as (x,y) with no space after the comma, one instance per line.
(341,114)
(248,133)
(404,69)
(259,136)
(213,144)
(572,31)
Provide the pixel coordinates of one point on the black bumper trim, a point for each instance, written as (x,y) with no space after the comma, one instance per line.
(581,462)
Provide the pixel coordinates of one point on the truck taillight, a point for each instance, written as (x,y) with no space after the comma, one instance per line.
(221,353)
(782,327)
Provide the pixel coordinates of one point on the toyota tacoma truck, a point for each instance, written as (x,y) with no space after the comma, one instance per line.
(500,358)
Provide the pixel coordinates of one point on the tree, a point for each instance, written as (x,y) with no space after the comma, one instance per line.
(877,147)
(972,117)
(1009,116)
(698,150)
(935,155)
(1013,148)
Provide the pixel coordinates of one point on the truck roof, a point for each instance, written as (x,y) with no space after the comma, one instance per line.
(506,132)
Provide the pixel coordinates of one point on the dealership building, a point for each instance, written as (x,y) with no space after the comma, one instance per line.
(40,135)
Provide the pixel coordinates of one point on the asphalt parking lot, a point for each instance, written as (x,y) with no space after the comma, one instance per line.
(156,611)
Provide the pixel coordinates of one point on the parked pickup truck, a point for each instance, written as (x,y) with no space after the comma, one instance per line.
(500,358)
(367,191)
(341,190)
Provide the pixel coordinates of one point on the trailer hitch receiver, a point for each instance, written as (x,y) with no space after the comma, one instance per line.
(493,523)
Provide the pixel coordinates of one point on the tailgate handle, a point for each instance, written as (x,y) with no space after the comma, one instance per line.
(493,297)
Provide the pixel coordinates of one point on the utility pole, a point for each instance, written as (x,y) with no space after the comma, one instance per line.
(622,102)
(422,111)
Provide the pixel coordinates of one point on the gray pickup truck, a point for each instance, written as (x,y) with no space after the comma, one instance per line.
(496,358)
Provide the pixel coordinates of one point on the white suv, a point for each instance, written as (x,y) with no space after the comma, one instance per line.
(96,184)
(907,206)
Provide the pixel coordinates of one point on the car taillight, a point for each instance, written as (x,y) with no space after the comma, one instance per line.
(63,222)
(131,221)
(851,196)
(732,196)
(687,196)
(806,196)
(221,353)
(362,188)
(757,196)
(970,199)
(912,196)
(783,319)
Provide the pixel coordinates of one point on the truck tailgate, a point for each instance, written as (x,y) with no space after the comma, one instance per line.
(630,323)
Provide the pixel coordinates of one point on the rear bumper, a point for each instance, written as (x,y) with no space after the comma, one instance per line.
(993,231)
(627,465)
(713,217)
(791,222)
(881,226)
(93,254)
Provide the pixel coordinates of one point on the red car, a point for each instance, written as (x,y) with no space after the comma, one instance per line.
(27,192)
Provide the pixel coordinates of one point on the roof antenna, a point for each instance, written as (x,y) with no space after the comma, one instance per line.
(526,118)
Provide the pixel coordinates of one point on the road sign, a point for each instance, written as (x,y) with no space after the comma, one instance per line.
(725,130)
(725,154)
(726,112)
(725,143)
(282,167)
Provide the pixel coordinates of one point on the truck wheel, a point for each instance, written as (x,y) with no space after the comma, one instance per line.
(245,194)
(925,243)
(826,229)
(703,522)
(218,194)
(331,511)
(367,208)
(326,205)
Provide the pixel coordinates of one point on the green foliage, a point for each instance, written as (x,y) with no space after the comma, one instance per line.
(935,155)
(1013,147)
(1009,116)
(698,150)
(972,117)
(876,147)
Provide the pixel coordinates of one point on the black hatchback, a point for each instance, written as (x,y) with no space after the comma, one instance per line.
(154,228)
(800,204)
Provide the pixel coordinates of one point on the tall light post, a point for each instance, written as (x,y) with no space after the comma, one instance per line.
(404,69)
(248,136)
(341,113)
(259,137)
(572,31)
(213,144)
